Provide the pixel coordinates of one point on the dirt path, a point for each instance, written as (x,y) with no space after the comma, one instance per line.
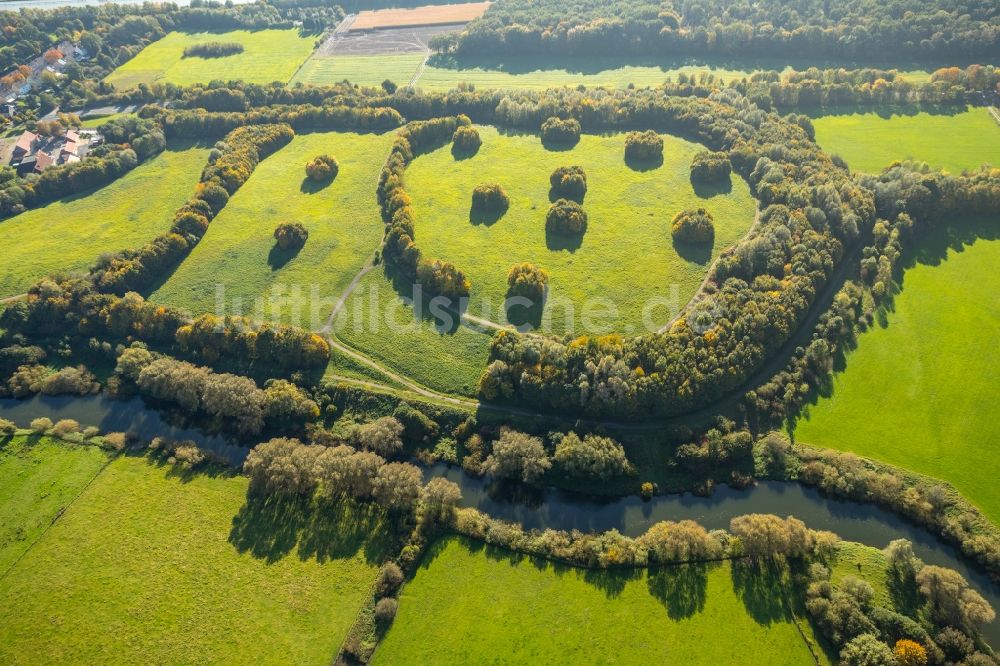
(993,112)
(11,299)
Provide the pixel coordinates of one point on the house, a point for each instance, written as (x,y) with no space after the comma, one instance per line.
(25,144)
(43,161)
(72,136)
(68,150)
(26,166)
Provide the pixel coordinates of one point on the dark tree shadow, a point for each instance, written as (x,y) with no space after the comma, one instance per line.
(445,314)
(712,189)
(557,242)
(611,581)
(523,316)
(279,256)
(310,186)
(515,492)
(268,528)
(682,588)
(761,588)
(904,592)
(558,146)
(699,253)
(487,217)
(555,196)
(463,153)
(644,165)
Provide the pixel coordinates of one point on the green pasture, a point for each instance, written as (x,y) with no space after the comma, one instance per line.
(268,55)
(239,259)
(71,233)
(872,141)
(152,566)
(919,390)
(39,477)
(626,257)
(469,604)
(362,70)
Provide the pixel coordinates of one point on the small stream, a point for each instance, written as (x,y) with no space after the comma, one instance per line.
(556,509)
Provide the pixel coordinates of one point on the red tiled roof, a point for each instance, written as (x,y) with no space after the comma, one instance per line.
(44,161)
(26,141)
(71,135)
(69,147)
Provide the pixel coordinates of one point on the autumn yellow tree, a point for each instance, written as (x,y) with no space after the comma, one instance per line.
(910,653)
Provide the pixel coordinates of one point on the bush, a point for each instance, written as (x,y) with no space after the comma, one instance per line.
(291,235)
(385,611)
(383,436)
(643,146)
(489,198)
(389,579)
(592,456)
(7,428)
(213,50)
(65,427)
(41,425)
(565,217)
(710,167)
(558,131)
(693,226)
(322,168)
(115,441)
(527,281)
(569,182)
(466,140)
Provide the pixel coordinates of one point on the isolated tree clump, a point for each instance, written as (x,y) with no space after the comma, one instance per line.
(643,146)
(383,436)
(213,49)
(519,456)
(489,198)
(569,182)
(566,217)
(558,131)
(591,456)
(466,139)
(693,226)
(291,235)
(322,168)
(528,281)
(710,167)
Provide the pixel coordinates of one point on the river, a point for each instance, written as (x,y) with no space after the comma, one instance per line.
(54,4)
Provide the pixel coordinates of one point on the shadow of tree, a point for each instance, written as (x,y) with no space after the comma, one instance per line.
(279,256)
(644,165)
(463,153)
(681,588)
(310,186)
(558,242)
(699,253)
(559,146)
(713,189)
(523,316)
(762,588)
(555,195)
(487,217)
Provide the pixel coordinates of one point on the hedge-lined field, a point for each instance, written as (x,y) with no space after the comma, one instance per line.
(149,567)
(920,392)
(239,251)
(39,476)
(469,605)
(626,256)
(871,141)
(70,234)
(362,70)
(268,55)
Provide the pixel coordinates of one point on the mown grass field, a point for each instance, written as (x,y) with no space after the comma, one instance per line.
(378,323)
(147,567)
(470,605)
(70,234)
(268,55)
(920,392)
(362,70)
(870,142)
(38,478)
(626,256)
(238,253)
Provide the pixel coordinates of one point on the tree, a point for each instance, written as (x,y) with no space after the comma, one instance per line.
(952,600)
(466,140)
(866,650)
(383,436)
(517,455)
(909,653)
(397,486)
(441,496)
(685,541)
(489,198)
(593,456)
(322,168)
(561,132)
(284,401)
(51,56)
(389,86)
(643,146)
(528,281)
(291,235)
(569,182)
(385,611)
(766,536)
(710,167)
(693,226)
(282,466)
(565,218)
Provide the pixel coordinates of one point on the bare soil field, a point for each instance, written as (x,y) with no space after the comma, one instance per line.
(427,15)
(379,42)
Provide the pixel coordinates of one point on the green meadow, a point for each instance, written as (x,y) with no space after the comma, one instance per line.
(362,70)
(469,604)
(625,258)
(268,55)
(151,566)
(919,390)
(872,141)
(70,234)
(39,477)
(239,255)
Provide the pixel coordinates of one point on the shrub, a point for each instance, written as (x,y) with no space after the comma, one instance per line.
(41,425)
(693,226)
(527,281)
(188,456)
(710,167)
(466,140)
(383,436)
(593,456)
(442,278)
(389,579)
(322,168)
(489,198)
(213,50)
(643,146)
(115,441)
(65,427)
(385,610)
(558,131)
(517,455)
(70,381)
(569,182)
(566,218)
(291,235)
(7,428)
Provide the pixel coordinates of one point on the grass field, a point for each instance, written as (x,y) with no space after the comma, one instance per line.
(239,252)
(390,332)
(38,478)
(70,234)
(919,393)
(268,55)
(870,142)
(471,606)
(362,70)
(146,567)
(626,257)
